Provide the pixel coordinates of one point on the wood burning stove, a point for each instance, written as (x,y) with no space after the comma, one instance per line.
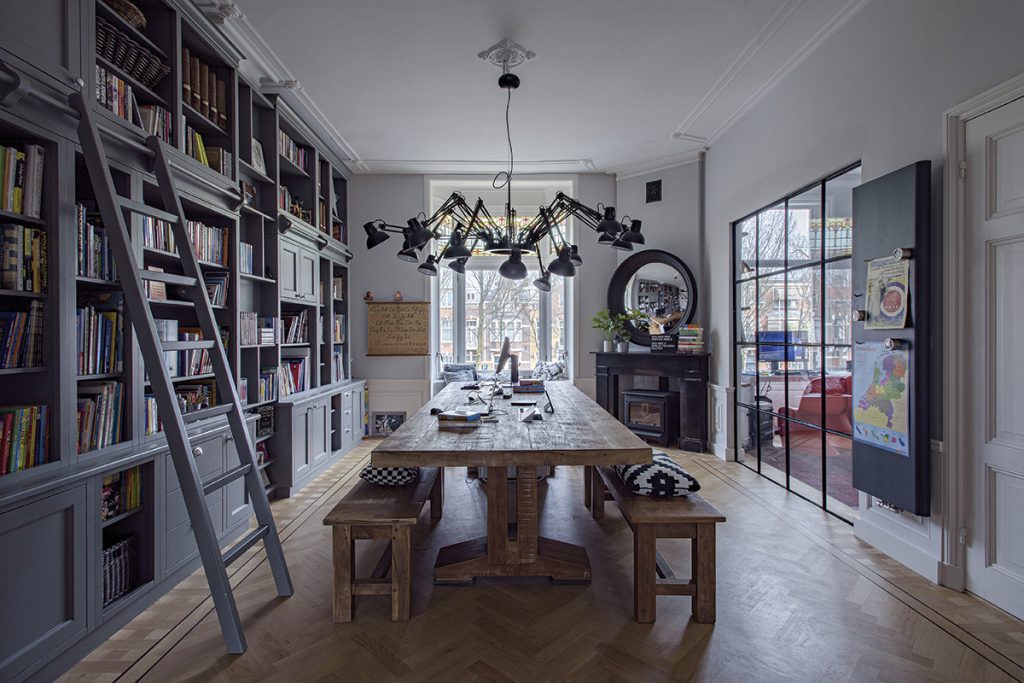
(651,415)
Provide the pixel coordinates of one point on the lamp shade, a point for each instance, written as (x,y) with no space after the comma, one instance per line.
(608,224)
(457,246)
(543,283)
(429,267)
(513,268)
(374,235)
(621,244)
(574,256)
(458,265)
(562,266)
(633,235)
(606,238)
(418,233)
(408,252)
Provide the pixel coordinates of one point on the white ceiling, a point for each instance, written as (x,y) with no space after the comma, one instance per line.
(617,85)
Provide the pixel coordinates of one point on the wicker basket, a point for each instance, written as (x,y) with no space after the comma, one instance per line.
(118,569)
(129,12)
(135,60)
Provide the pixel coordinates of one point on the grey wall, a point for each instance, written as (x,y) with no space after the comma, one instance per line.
(395,198)
(672,224)
(591,281)
(875,91)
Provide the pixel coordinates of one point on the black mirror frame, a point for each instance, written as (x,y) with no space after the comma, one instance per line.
(625,272)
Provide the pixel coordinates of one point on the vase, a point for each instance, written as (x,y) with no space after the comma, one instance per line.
(623,347)
(609,346)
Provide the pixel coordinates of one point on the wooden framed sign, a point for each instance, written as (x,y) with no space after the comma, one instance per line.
(398,328)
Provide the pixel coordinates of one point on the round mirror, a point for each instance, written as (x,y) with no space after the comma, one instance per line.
(660,286)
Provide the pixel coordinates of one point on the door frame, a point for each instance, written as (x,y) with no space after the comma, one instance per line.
(952,568)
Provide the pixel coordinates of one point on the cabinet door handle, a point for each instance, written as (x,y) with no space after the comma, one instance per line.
(197,452)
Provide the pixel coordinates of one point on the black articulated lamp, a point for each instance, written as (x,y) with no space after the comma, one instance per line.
(474,225)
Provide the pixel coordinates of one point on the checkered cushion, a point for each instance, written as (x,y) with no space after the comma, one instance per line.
(390,476)
(662,477)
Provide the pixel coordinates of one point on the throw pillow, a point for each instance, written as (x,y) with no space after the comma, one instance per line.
(548,371)
(458,376)
(662,477)
(390,476)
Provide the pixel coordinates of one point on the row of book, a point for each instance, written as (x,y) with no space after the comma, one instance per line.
(245,258)
(268,385)
(24,437)
(528,386)
(294,152)
(194,361)
(691,339)
(217,288)
(294,373)
(114,94)
(337,366)
(191,397)
(217,158)
(121,493)
(21,179)
(94,258)
(100,411)
(203,89)
(21,337)
(25,258)
(256,330)
(296,328)
(158,234)
(99,333)
(158,121)
(209,242)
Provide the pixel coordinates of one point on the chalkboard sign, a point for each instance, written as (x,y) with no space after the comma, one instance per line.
(398,328)
(664,343)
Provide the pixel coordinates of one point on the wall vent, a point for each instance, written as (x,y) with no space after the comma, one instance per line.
(654,191)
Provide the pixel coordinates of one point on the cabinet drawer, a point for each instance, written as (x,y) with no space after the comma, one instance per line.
(209,461)
(181,541)
(177,514)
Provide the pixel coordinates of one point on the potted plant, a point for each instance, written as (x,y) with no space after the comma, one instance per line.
(634,316)
(608,325)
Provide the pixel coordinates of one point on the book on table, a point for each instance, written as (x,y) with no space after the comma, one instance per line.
(459,415)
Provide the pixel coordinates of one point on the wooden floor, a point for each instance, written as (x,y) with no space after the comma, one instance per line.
(799,599)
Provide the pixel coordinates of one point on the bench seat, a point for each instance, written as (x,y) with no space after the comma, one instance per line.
(652,518)
(370,511)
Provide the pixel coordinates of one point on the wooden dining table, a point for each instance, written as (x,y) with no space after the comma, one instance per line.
(578,432)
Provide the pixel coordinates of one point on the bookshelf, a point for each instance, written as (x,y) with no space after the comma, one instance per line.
(297,436)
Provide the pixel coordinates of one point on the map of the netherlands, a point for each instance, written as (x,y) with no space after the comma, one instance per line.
(881,408)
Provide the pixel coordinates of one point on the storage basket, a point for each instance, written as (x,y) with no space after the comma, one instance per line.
(118,569)
(129,12)
(135,60)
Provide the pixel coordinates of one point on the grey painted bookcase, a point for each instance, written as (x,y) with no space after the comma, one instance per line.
(97,531)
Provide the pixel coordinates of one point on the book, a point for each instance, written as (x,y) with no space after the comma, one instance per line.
(21,337)
(99,335)
(459,415)
(245,258)
(25,440)
(25,260)
(121,492)
(217,288)
(94,258)
(186,75)
(100,410)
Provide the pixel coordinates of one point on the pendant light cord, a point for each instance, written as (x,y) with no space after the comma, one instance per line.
(504,178)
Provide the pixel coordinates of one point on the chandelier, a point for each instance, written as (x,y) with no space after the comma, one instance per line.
(457,228)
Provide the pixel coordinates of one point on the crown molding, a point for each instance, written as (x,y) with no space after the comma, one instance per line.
(660,164)
(435,166)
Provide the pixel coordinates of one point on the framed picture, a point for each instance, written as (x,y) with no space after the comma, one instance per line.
(384,423)
(257,156)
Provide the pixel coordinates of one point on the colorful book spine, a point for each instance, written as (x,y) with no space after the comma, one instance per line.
(25,258)
(24,437)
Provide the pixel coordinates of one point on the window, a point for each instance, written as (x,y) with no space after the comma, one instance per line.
(792,363)
(484,307)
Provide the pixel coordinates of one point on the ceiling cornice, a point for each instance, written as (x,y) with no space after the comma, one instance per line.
(660,164)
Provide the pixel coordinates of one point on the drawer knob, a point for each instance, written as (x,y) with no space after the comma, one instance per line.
(197,452)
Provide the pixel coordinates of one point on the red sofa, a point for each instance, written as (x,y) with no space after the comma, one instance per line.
(838,391)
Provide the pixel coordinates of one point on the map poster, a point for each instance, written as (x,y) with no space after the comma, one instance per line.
(888,287)
(881,398)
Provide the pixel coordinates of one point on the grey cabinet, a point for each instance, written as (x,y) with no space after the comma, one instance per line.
(237,507)
(43,584)
(180,544)
(347,413)
(298,272)
(318,427)
(46,34)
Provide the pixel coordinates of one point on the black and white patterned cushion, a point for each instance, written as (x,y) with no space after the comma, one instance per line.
(390,476)
(662,477)
(548,371)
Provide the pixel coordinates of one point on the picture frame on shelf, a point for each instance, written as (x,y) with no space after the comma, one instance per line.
(384,423)
(258,162)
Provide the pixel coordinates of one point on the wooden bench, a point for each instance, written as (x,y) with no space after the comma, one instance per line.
(370,511)
(653,518)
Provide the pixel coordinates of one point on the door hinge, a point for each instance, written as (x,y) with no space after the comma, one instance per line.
(963,535)
(963,169)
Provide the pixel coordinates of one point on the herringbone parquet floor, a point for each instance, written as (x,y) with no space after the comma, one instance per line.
(800,599)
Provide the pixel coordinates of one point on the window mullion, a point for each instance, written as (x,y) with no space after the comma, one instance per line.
(459,317)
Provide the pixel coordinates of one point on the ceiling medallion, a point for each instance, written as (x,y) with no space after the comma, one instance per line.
(457,228)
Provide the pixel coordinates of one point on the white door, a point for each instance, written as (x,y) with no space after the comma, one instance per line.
(995,356)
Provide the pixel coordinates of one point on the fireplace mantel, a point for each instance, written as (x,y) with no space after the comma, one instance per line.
(686,373)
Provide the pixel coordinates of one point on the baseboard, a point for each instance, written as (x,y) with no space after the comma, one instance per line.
(952,577)
(911,556)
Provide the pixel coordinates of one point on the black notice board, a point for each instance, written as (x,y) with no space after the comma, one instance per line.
(664,343)
(893,212)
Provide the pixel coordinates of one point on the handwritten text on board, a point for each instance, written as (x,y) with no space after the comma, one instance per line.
(398,328)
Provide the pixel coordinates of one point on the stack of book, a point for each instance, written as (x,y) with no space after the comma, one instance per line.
(691,339)
(245,262)
(294,371)
(121,493)
(99,337)
(209,242)
(25,258)
(294,152)
(254,330)
(21,179)
(95,259)
(100,414)
(217,288)
(458,420)
(529,386)
(24,437)
(157,121)
(114,94)
(21,337)
(157,234)
(203,90)
(295,328)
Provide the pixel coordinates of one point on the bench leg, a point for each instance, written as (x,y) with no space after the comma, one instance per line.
(596,495)
(703,562)
(644,572)
(588,472)
(437,496)
(343,572)
(401,572)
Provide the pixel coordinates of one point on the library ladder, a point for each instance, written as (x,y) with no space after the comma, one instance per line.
(193,488)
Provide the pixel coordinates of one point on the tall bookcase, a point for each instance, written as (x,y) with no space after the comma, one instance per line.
(93,527)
